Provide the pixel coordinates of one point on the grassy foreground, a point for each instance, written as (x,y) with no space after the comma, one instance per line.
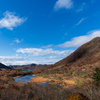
(10,90)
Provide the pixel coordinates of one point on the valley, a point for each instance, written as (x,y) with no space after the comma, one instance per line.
(72,75)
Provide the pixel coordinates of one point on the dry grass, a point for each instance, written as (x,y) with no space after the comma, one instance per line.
(38,92)
(10,90)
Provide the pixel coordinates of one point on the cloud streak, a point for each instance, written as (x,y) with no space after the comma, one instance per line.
(16,60)
(8,60)
(17,40)
(10,20)
(78,41)
(82,7)
(42,52)
(67,4)
(80,21)
(11,58)
(47,55)
(43,56)
(48,46)
(35,55)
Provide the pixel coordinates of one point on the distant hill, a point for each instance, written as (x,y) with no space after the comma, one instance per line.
(4,66)
(29,66)
(86,55)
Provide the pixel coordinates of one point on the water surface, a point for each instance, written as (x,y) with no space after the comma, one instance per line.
(24,78)
(28,69)
(28,77)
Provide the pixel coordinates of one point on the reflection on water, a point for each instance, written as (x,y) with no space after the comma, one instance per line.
(28,77)
(46,82)
(24,78)
(28,69)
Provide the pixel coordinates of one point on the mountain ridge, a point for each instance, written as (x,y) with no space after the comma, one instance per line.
(29,66)
(4,66)
(86,54)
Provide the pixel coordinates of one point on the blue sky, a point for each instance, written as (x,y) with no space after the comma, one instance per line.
(44,32)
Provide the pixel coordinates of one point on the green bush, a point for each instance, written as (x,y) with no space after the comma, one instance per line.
(96,77)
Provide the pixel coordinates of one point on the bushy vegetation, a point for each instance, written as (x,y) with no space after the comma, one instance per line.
(21,91)
(10,90)
(13,73)
(96,77)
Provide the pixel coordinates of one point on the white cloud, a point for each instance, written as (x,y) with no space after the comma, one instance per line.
(43,56)
(78,41)
(67,4)
(10,20)
(80,21)
(15,60)
(55,57)
(18,62)
(12,58)
(17,40)
(49,61)
(35,55)
(42,52)
(52,57)
(81,7)
(8,60)
(48,46)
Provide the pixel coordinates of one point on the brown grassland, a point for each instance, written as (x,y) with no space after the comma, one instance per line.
(78,76)
(78,90)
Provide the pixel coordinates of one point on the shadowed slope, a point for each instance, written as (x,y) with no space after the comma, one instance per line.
(88,53)
(4,66)
(29,66)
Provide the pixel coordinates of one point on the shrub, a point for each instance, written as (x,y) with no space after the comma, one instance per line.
(96,77)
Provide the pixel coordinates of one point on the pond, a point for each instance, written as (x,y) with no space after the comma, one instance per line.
(28,77)
(28,69)
(24,78)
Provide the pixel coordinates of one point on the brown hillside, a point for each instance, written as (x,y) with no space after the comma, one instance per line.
(87,54)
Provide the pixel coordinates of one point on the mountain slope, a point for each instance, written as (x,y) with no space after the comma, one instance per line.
(4,66)
(87,54)
(29,66)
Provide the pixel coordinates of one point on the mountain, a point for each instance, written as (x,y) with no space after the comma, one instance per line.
(29,66)
(86,55)
(4,66)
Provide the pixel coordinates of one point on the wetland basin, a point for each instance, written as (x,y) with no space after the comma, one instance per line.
(34,79)
(24,78)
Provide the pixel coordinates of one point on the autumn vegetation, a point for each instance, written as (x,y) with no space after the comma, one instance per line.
(78,76)
(10,90)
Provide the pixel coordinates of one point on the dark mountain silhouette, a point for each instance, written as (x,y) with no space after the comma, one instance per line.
(87,54)
(29,66)
(4,66)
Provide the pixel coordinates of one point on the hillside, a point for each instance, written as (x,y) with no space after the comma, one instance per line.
(4,66)
(86,56)
(29,66)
